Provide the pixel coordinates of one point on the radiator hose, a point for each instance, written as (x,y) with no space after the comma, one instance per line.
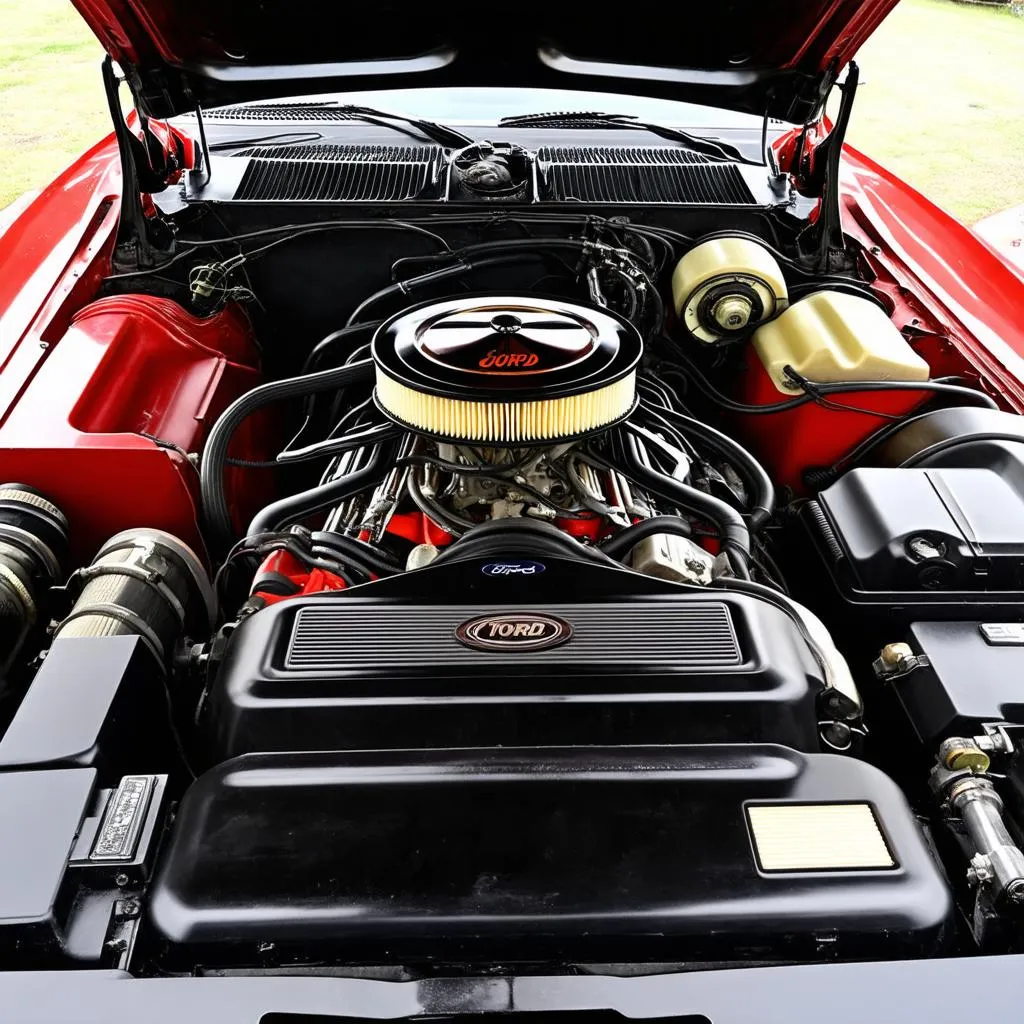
(143,583)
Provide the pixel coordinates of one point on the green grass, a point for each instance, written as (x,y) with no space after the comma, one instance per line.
(942,104)
(51,98)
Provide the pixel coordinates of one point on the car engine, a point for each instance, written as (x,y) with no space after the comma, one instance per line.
(612,584)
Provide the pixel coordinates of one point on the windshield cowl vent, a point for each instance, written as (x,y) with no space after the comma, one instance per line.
(639,174)
(333,173)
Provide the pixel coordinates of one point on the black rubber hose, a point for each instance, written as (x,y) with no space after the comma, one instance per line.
(360,553)
(211,471)
(831,388)
(454,524)
(622,543)
(732,529)
(753,473)
(958,390)
(436,277)
(325,345)
(297,506)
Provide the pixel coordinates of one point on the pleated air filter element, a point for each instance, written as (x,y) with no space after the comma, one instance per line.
(506,370)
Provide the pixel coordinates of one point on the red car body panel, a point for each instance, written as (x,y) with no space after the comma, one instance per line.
(100,401)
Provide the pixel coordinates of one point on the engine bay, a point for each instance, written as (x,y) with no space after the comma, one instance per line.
(494,564)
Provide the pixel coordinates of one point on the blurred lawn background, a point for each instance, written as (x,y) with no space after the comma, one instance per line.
(942,103)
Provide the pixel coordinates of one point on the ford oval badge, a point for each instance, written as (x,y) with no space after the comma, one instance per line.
(513,568)
(514,631)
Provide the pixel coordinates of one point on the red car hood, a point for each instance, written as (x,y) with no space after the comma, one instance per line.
(750,55)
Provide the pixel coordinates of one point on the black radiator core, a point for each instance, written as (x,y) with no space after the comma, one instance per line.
(334,173)
(638,174)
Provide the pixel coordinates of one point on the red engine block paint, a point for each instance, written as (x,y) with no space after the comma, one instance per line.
(282,576)
(587,527)
(812,436)
(104,425)
(416,527)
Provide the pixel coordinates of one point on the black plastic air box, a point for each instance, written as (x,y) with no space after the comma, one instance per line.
(70,853)
(95,702)
(922,543)
(974,675)
(592,854)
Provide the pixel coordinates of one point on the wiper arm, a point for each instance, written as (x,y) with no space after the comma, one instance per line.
(439,133)
(598,119)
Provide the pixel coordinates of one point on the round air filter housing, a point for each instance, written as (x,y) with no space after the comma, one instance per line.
(506,370)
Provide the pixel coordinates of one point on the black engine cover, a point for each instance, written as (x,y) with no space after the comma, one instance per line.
(601,655)
(592,854)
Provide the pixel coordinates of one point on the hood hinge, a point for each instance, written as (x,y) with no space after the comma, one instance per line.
(817,174)
(147,165)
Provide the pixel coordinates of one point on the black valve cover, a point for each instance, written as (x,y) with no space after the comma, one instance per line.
(528,647)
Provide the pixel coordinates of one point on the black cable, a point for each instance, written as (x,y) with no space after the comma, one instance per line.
(356,225)
(843,387)
(297,506)
(832,388)
(294,230)
(452,523)
(215,504)
(433,277)
(337,445)
(326,344)
(583,493)
(622,543)
(732,529)
(749,468)
(376,558)
(860,291)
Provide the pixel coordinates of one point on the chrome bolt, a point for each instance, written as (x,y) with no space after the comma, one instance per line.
(980,870)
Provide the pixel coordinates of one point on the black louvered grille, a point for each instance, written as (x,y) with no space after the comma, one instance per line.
(606,637)
(329,173)
(639,174)
(280,112)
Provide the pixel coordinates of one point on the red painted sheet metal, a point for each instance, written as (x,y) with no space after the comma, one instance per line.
(812,436)
(106,422)
(975,296)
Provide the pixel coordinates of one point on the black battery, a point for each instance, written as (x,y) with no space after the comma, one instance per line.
(973,674)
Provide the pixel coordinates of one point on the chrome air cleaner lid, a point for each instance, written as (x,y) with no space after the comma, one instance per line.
(506,369)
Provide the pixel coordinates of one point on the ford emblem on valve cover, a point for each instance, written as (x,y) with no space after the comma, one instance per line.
(514,631)
(517,568)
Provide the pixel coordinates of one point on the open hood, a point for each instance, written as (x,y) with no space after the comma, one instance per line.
(777,58)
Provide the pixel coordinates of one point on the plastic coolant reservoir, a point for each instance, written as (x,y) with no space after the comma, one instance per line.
(826,337)
(832,336)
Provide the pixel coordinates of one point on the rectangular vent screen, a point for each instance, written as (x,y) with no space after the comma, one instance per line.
(350,637)
(639,174)
(335,173)
(281,112)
